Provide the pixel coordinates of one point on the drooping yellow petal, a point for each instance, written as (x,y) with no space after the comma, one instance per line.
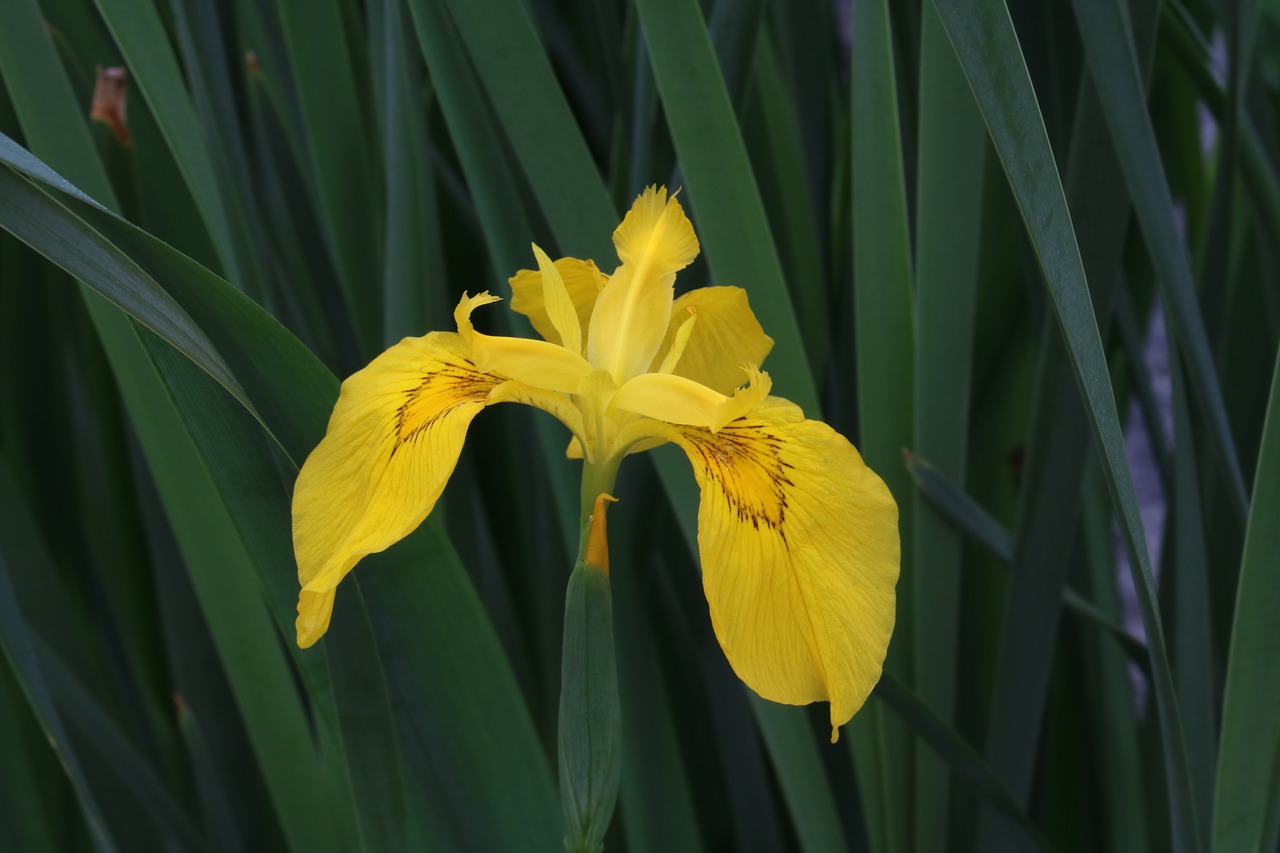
(559,405)
(728,335)
(654,241)
(582,281)
(392,443)
(537,363)
(679,400)
(800,553)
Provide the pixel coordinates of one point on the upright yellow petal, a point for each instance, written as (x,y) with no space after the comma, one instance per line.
(581,279)
(560,307)
(655,231)
(727,336)
(654,241)
(800,553)
(392,443)
(675,350)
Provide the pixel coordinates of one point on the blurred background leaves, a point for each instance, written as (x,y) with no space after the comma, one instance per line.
(966,225)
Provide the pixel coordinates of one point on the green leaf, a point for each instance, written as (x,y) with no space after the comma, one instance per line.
(722,189)
(414,252)
(782,171)
(1245,811)
(1191,645)
(21,651)
(949,184)
(26,213)
(884,327)
(337,137)
(85,713)
(536,117)
(962,511)
(294,393)
(1123,790)
(958,755)
(142,39)
(1109,47)
(223,573)
(987,45)
(590,742)
(804,784)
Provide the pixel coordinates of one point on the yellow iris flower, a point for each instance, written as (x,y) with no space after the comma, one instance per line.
(798,538)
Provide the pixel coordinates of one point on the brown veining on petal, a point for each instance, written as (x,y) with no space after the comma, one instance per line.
(745,463)
(436,395)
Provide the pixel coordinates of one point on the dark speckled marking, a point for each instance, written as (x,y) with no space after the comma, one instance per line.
(439,393)
(746,465)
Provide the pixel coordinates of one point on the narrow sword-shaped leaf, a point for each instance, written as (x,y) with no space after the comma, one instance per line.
(1192,642)
(536,116)
(1059,447)
(1109,48)
(958,754)
(87,254)
(297,393)
(785,188)
(20,649)
(987,45)
(104,734)
(952,151)
(884,334)
(1245,810)
(336,132)
(722,188)
(968,517)
(139,32)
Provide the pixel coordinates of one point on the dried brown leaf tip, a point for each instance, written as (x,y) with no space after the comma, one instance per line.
(109,95)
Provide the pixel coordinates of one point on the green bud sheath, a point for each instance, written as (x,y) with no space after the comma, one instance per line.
(590,713)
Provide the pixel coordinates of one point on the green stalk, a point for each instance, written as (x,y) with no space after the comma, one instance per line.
(590,711)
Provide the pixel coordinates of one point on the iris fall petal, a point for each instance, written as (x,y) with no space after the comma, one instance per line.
(799,547)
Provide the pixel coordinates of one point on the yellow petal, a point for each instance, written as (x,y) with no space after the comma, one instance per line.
(679,400)
(727,336)
(656,231)
(462,313)
(654,241)
(800,553)
(537,363)
(559,305)
(582,281)
(392,442)
(677,346)
(559,405)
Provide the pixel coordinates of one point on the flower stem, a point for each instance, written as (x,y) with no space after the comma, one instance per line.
(590,734)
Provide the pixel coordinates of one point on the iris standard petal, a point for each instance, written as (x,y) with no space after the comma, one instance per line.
(727,336)
(581,279)
(800,552)
(654,241)
(392,443)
